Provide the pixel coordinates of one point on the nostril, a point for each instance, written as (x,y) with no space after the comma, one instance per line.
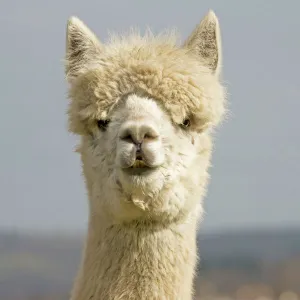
(130,139)
(126,137)
(150,135)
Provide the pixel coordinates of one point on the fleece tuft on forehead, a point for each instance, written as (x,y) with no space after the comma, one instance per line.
(184,79)
(151,65)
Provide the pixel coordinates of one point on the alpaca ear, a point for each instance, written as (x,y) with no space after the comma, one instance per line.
(205,42)
(82,48)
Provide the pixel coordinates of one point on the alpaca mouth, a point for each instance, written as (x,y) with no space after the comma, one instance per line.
(138,164)
(139,167)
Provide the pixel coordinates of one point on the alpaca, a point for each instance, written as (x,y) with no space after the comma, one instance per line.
(145,109)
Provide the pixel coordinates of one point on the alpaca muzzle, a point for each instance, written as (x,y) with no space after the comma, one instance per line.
(139,146)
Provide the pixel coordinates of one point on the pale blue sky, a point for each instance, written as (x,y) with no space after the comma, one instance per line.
(255,178)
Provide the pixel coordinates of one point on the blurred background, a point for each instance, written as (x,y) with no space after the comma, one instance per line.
(250,238)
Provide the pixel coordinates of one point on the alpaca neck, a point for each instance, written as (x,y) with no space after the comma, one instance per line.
(137,262)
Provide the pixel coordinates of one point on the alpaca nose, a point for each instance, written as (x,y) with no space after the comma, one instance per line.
(138,133)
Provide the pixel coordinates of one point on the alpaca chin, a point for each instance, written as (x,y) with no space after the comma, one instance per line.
(144,181)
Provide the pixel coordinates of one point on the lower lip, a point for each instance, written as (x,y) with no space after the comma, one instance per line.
(138,171)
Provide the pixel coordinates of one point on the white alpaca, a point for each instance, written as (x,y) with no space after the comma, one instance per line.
(144,108)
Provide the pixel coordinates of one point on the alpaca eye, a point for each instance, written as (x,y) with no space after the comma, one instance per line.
(186,123)
(102,124)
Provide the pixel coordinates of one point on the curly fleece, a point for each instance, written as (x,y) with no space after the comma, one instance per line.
(154,66)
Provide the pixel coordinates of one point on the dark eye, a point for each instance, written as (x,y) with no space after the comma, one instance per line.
(186,123)
(102,124)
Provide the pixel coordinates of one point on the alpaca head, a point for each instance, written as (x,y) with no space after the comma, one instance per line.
(144,108)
